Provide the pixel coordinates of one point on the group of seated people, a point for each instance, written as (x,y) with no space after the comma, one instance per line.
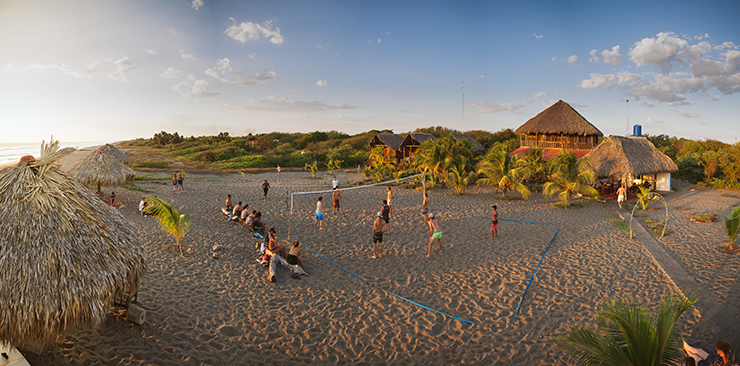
(240,212)
(697,356)
(293,257)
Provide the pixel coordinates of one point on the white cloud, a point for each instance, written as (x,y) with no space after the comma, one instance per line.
(197,4)
(660,51)
(54,69)
(280,104)
(123,66)
(176,73)
(378,40)
(482,77)
(151,52)
(188,56)
(547,103)
(248,31)
(593,57)
(649,105)
(612,57)
(653,121)
(717,98)
(541,94)
(197,89)
(252,55)
(225,73)
(706,35)
(572,59)
(9,66)
(488,107)
(553,59)
(683,113)
(538,36)
(172,32)
(322,83)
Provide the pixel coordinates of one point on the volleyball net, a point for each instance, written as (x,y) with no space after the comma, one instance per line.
(294,194)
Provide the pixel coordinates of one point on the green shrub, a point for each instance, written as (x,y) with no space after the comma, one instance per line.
(152,164)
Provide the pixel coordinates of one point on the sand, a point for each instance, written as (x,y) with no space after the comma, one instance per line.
(206,311)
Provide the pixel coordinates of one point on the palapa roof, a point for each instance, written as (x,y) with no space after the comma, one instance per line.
(476,145)
(560,118)
(102,170)
(417,138)
(114,152)
(619,156)
(392,140)
(65,254)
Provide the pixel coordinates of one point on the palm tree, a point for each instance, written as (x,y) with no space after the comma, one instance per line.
(569,176)
(504,171)
(381,161)
(459,179)
(732,223)
(644,197)
(439,156)
(172,221)
(628,334)
(536,165)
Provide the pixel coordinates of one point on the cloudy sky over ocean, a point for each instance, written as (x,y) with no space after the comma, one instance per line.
(115,70)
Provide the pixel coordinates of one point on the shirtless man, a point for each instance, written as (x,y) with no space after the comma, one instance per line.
(229,204)
(265,187)
(494,222)
(425,207)
(389,198)
(378,227)
(319,215)
(337,198)
(621,196)
(435,232)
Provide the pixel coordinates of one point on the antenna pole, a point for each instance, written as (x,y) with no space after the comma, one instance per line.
(628,117)
(463,107)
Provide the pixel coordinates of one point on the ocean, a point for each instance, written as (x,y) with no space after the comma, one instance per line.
(12,151)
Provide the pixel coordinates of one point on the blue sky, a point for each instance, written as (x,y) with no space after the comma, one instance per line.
(109,71)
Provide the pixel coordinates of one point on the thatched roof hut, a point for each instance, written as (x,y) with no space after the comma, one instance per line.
(631,157)
(114,152)
(559,119)
(391,141)
(102,170)
(66,255)
(476,145)
(412,142)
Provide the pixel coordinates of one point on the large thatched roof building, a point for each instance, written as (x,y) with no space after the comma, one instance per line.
(102,170)
(114,152)
(412,142)
(633,159)
(557,128)
(66,255)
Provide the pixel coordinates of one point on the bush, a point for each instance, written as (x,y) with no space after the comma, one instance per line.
(689,170)
(152,164)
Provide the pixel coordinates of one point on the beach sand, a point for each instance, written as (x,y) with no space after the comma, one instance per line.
(206,311)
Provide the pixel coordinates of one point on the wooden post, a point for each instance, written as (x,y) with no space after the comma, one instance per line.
(135,314)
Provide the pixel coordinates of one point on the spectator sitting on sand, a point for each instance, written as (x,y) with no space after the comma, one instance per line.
(274,246)
(142,206)
(113,198)
(724,356)
(250,219)
(294,257)
(257,225)
(245,212)
(237,212)
(229,204)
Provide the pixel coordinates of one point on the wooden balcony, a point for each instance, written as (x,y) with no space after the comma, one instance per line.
(557,145)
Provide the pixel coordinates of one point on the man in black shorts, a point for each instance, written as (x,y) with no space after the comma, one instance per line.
(387,215)
(265,187)
(378,227)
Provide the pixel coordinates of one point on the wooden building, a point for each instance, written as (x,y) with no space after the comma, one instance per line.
(477,147)
(557,128)
(390,141)
(412,142)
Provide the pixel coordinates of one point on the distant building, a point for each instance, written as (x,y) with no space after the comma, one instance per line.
(477,147)
(390,141)
(557,128)
(412,142)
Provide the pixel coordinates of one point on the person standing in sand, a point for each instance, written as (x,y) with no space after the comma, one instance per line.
(435,232)
(319,215)
(378,227)
(278,169)
(425,207)
(265,187)
(387,215)
(494,222)
(337,198)
(180,185)
(389,198)
(334,183)
(174,183)
(621,196)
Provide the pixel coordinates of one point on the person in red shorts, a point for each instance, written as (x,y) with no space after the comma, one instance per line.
(494,222)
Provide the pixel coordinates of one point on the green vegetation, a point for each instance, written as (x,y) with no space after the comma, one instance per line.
(619,223)
(567,176)
(134,187)
(152,164)
(504,171)
(629,334)
(171,220)
(710,162)
(731,224)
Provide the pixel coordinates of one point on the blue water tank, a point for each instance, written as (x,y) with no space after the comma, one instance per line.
(637,130)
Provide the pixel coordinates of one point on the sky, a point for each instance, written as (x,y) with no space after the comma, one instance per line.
(118,70)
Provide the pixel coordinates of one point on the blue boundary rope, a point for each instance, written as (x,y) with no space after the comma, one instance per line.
(376,286)
(532,278)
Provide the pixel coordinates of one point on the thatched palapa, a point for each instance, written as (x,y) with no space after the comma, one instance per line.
(412,142)
(64,254)
(630,157)
(114,152)
(476,145)
(102,170)
(390,141)
(560,118)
